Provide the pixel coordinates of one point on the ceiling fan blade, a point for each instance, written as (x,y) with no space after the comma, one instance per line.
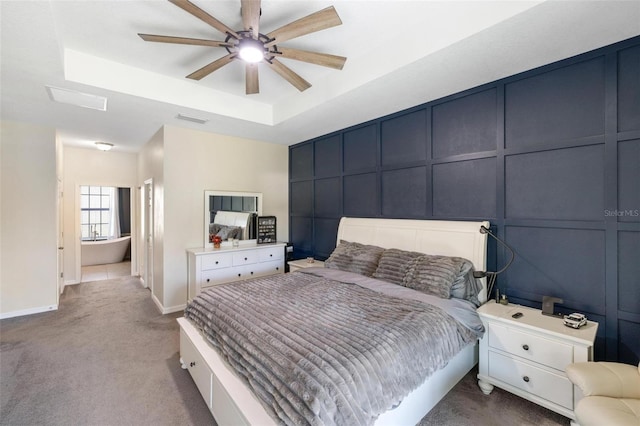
(187,6)
(183,40)
(324,59)
(251,16)
(208,69)
(300,83)
(252,82)
(323,19)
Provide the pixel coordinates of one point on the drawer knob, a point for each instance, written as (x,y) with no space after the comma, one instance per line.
(239,275)
(277,268)
(251,272)
(525,347)
(216,262)
(526,379)
(208,279)
(245,258)
(192,364)
(271,255)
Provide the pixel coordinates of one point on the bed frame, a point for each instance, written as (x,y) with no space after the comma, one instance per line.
(232,403)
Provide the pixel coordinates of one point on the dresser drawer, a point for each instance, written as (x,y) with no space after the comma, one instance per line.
(245,257)
(537,349)
(269,268)
(215,261)
(530,378)
(219,276)
(269,254)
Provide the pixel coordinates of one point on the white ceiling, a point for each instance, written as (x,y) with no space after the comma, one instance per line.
(400,54)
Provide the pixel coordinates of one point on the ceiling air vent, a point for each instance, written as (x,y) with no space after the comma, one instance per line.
(192,119)
(73,97)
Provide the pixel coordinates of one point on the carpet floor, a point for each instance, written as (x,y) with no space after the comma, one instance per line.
(108,357)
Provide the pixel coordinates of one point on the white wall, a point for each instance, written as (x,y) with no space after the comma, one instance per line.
(195,161)
(28,219)
(151,166)
(84,166)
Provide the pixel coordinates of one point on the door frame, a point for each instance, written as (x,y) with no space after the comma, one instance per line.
(134,227)
(145,254)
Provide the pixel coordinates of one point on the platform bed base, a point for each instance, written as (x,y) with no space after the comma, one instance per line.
(232,403)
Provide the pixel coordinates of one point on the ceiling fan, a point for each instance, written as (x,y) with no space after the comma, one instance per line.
(253,47)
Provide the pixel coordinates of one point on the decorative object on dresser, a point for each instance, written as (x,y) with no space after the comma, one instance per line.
(266,229)
(296,265)
(304,307)
(207,267)
(611,393)
(527,355)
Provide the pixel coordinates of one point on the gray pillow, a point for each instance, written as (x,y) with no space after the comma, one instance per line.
(466,286)
(214,228)
(437,274)
(226,232)
(354,257)
(394,265)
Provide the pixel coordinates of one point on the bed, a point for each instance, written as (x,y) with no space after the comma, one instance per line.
(239,398)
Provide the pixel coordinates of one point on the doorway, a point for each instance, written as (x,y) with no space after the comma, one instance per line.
(105,246)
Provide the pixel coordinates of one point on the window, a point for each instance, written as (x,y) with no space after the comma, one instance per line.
(95,211)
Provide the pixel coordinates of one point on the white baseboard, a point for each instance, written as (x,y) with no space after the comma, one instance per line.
(173,309)
(168,310)
(29,311)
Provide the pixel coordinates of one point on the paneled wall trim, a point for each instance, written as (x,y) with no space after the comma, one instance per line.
(551,157)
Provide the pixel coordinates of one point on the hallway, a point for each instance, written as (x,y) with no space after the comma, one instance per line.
(105,272)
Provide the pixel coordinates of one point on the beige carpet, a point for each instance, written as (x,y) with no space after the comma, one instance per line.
(107,357)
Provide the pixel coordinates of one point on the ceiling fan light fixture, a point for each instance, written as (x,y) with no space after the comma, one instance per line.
(251,50)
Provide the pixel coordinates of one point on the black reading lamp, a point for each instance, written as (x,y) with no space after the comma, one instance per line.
(492,275)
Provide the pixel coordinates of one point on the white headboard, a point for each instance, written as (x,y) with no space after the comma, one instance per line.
(240,219)
(447,238)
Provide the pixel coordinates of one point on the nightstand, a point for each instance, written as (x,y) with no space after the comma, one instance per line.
(295,265)
(527,356)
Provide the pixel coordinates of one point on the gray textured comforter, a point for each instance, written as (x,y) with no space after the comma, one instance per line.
(325,347)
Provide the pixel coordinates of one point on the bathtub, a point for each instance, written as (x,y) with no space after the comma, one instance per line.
(105,251)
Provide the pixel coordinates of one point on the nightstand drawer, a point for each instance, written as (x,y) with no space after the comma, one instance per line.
(537,349)
(215,261)
(522,375)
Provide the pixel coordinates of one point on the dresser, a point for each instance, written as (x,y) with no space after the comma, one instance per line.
(527,355)
(211,266)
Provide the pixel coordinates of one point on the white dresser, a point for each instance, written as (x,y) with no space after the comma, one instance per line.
(211,266)
(527,356)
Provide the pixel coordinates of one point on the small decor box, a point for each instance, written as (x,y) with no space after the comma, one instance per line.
(266,229)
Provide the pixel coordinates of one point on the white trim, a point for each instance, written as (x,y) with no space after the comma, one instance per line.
(170,309)
(173,309)
(29,311)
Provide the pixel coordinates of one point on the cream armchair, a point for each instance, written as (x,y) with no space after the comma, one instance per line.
(611,393)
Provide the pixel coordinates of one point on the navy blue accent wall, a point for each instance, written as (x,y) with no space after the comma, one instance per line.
(551,157)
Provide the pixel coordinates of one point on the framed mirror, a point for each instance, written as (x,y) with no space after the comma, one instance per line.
(231,209)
